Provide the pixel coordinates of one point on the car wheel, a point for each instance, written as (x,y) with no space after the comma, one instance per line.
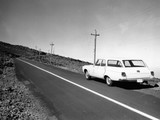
(109,81)
(88,77)
(145,83)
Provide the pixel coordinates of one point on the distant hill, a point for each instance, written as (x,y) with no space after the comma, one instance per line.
(32,54)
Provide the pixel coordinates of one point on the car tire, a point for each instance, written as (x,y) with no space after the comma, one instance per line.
(145,83)
(109,82)
(88,77)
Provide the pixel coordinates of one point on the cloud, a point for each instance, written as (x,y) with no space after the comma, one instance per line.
(124,27)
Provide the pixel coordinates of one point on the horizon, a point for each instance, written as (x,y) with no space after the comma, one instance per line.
(127,28)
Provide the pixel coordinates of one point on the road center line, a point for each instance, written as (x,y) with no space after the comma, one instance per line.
(96,93)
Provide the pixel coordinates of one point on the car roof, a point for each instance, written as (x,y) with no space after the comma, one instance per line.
(120,59)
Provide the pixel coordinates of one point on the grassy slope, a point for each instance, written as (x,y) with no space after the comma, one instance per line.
(56,60)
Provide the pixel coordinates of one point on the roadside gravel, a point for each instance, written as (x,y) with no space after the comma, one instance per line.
(154,90)
(17,102)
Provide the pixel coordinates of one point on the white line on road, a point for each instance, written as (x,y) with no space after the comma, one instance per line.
(96,93)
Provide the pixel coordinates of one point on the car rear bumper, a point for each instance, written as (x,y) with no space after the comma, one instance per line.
(139,80)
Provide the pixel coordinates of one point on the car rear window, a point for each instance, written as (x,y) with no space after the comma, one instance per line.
(133,63)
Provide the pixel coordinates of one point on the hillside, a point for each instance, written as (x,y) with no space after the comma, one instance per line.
(32,54)
(17,50)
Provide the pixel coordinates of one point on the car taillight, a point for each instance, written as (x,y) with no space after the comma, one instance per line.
(123,74)
(152,73)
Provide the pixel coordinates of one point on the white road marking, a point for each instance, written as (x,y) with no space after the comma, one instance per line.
(98,94)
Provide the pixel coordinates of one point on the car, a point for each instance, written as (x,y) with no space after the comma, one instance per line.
(111,70)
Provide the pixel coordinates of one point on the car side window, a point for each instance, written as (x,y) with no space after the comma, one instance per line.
(103,63)
(114,63)
(119,64)
(98,63)
(127,64)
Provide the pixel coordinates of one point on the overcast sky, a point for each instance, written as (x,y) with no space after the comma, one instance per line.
(127,28)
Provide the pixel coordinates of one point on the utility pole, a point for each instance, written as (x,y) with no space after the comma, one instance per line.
(51,52)
(95,35)
(51,47)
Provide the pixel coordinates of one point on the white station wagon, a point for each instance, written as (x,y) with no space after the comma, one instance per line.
(119,70)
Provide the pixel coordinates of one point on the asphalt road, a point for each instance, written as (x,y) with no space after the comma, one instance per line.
(78,99)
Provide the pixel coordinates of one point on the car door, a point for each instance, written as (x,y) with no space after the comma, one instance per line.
(96,66)
(99,68)
(114,69)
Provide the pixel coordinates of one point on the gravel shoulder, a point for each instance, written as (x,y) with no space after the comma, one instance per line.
(17,102)
(153,90)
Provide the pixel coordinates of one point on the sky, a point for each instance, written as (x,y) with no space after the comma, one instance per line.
(127,28)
